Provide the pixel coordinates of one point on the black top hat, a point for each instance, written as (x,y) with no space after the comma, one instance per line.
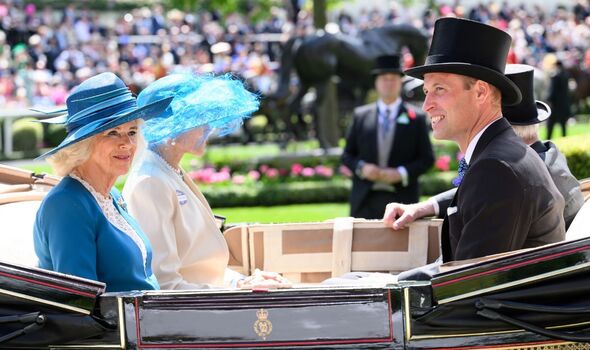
(528,111)
(387,64)
(470,48)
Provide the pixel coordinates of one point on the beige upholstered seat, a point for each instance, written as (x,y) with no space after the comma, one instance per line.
(312,252)
(16,234)
(21,193)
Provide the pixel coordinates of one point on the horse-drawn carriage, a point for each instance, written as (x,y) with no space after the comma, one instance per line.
(529,299)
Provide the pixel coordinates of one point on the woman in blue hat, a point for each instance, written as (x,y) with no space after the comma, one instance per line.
(82,226)
(189,250)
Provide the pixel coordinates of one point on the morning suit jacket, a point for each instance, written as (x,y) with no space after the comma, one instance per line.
(411,148)
(73,236)
(566,183)
(506,200)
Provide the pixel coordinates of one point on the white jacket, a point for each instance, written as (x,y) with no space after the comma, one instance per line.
(188,248)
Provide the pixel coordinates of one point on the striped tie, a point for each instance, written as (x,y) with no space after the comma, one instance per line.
(386,122)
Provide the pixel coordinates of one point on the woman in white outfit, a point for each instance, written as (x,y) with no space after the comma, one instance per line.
(189,250)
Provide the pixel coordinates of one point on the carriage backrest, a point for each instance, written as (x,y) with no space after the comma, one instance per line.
(314,251)
(21,193)
(580,226)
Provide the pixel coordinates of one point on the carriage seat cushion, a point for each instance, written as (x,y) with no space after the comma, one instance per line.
(313,252)
(580,227)
(16,233)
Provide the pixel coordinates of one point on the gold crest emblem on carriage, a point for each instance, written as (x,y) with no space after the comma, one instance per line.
(262,326)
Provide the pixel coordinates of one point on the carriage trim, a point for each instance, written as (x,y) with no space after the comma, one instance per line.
(411,336)
(510,270)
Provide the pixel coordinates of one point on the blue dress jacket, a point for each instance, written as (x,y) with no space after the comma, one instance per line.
(73,236)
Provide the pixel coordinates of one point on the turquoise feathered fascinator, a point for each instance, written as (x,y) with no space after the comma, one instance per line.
(221,103)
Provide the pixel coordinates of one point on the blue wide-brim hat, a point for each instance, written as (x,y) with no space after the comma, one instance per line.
(100,103)
(221,103)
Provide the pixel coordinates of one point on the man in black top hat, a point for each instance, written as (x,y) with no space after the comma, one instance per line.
(506,199)
(524,118)
(387,146)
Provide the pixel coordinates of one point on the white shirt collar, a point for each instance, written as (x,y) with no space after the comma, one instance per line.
(473,143)
(393,107)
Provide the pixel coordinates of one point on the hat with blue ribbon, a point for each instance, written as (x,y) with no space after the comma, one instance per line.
(220,103)
(99,103)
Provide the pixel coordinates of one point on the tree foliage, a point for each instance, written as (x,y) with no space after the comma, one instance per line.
(255,9)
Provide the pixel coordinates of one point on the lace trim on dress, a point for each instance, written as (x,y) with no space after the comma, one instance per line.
(113,216)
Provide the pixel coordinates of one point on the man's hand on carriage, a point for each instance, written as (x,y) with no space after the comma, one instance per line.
(398,215)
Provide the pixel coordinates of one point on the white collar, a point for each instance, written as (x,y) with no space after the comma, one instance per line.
(164,163)
(393,107)
(473,142)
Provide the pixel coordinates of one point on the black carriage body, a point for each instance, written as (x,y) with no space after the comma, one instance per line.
(465,308)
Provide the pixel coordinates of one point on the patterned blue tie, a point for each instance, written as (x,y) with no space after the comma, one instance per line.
(385,122)
(463,167)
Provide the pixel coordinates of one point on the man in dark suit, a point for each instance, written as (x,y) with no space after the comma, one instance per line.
(524,118)
(506,199)
(387,146)
(559,99)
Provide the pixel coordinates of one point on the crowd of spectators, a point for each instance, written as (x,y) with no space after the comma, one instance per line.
(45,52)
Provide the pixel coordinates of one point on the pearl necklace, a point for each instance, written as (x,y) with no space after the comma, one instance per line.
(177,171)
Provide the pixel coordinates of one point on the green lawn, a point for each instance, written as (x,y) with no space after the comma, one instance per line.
(285,213)
(575,129)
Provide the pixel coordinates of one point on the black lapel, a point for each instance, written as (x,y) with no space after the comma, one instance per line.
(400,134)
(540,148)
(445,236)
(401,110)
(494,129)
(372,126)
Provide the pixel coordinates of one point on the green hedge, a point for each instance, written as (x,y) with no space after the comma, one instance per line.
(245,158)
(321,191)
(577,152)
(284,160)
(55,134)
(26,136)
(262,194)
(435,183)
